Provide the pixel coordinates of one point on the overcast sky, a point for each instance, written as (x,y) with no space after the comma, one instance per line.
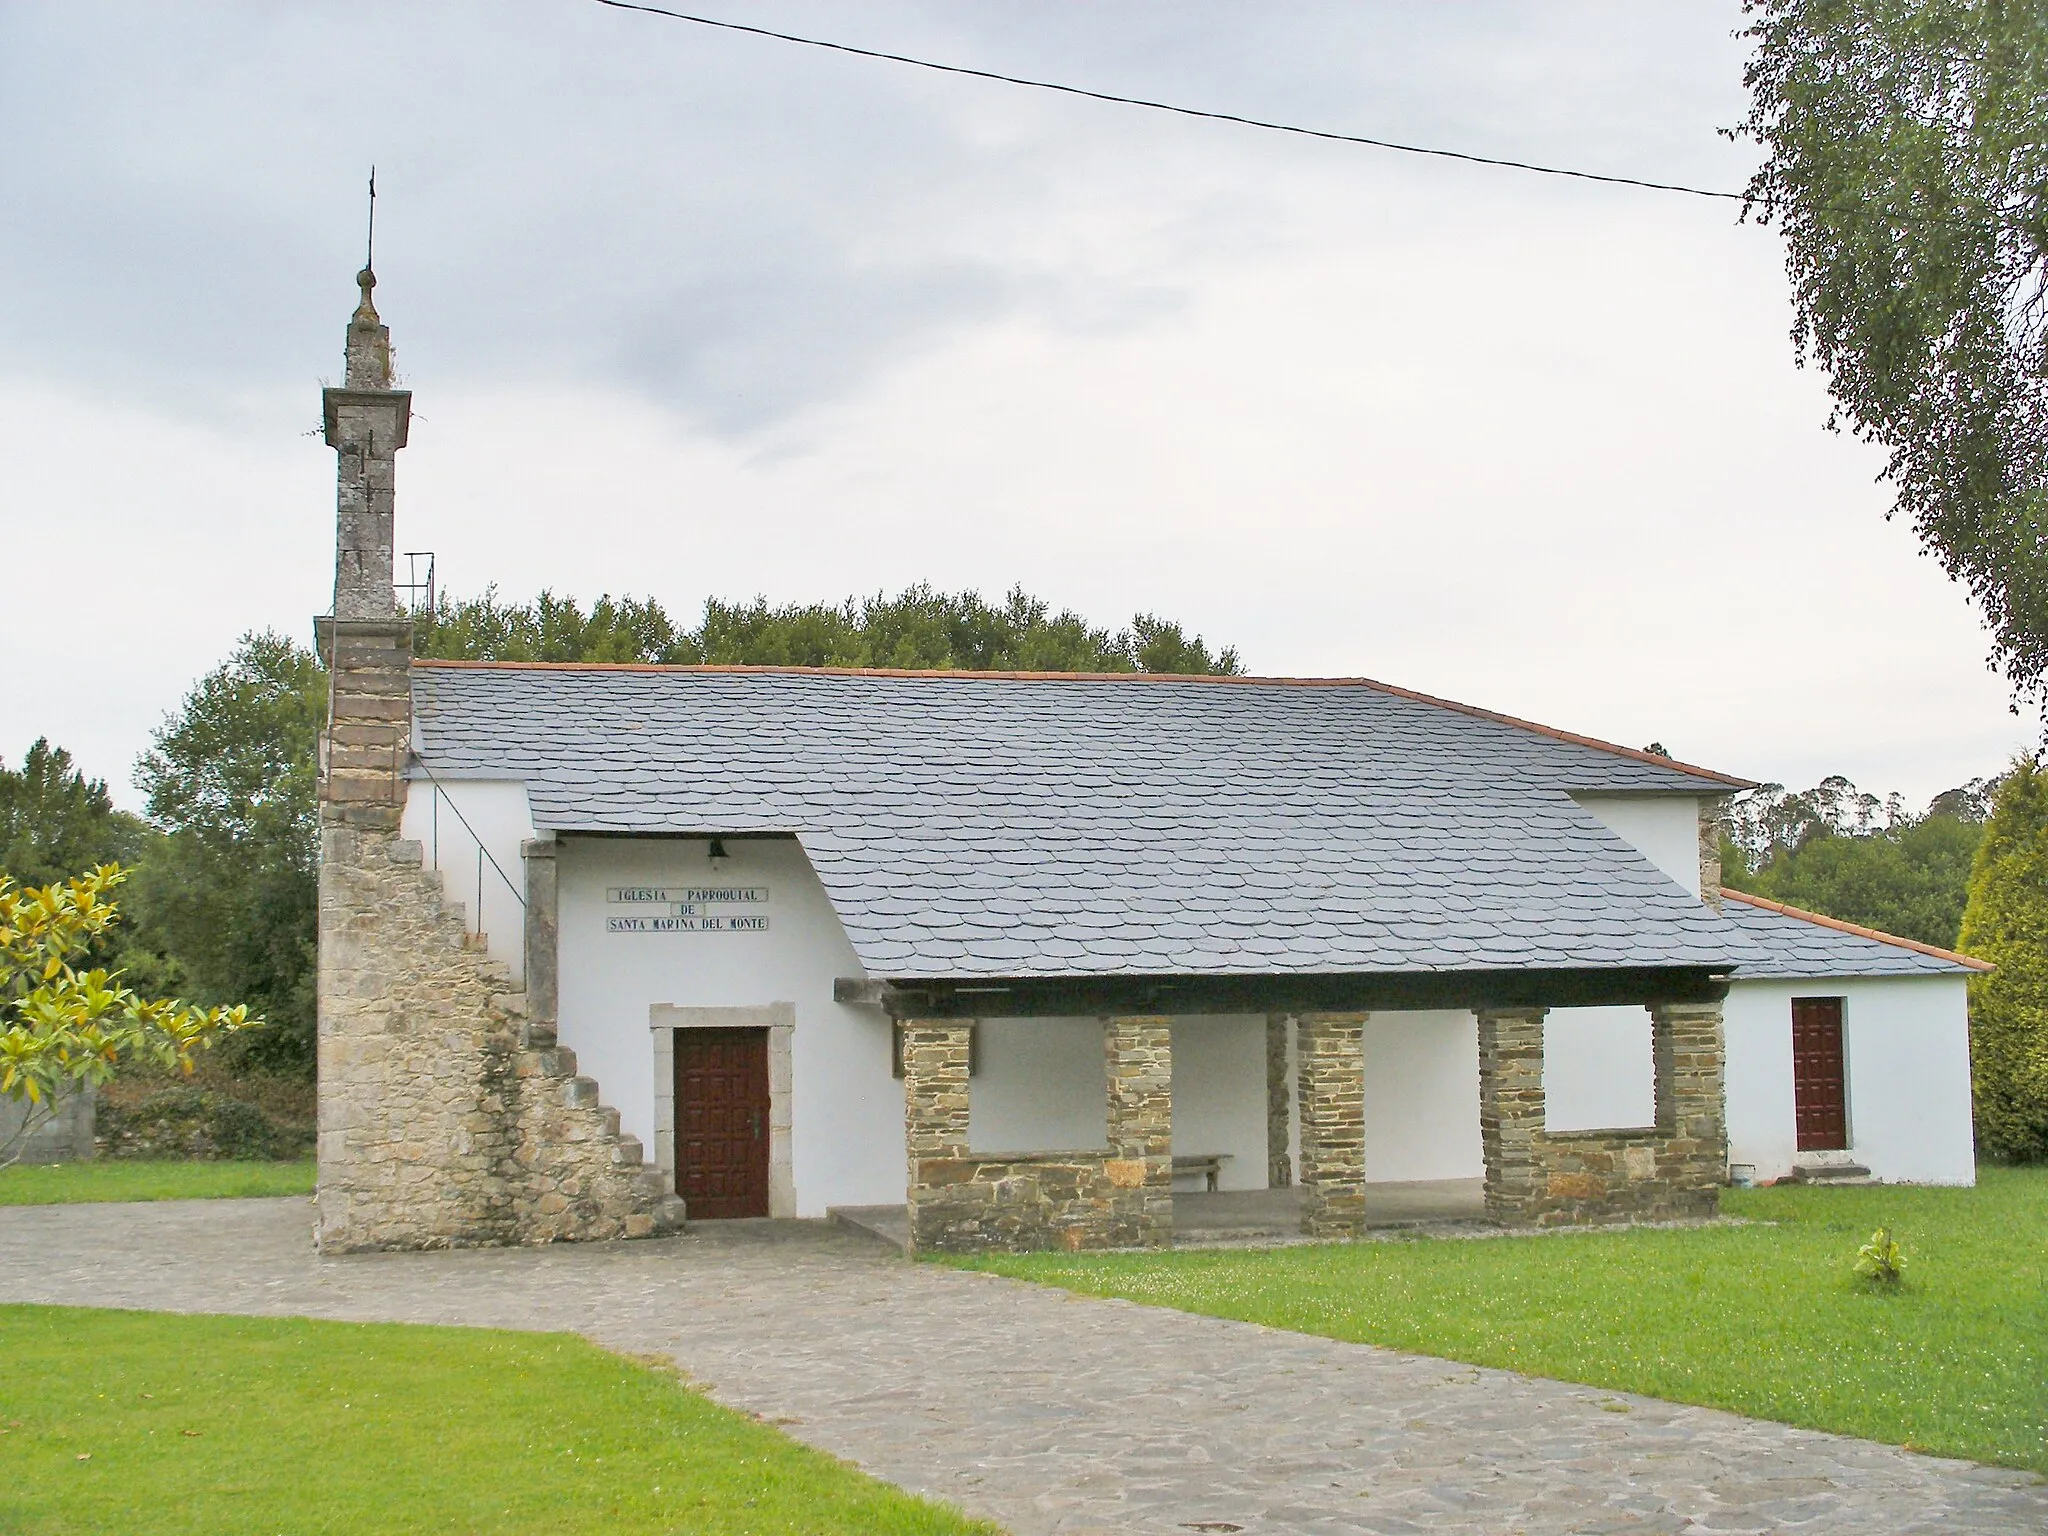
(691,313)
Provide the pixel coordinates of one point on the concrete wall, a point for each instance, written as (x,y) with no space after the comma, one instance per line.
(1038,1086)
(1665,829)
(1598,1071)
(1219,1096)
(1907,1049)
(63,1137)
(1422,1096)
(499,819)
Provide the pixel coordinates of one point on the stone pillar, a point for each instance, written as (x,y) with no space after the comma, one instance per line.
(1511,1110)
(1279,1104)
(1710,852)
(935,1060)
(1138,1061)
(1692,1105)
(543,994)
(1331,1049)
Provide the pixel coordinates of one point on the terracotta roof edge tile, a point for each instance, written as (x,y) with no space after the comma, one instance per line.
(1750,899)
(960,674)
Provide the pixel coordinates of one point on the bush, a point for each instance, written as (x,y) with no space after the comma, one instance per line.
(197,1122)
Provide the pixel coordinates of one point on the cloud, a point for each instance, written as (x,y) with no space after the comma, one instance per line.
(691,314)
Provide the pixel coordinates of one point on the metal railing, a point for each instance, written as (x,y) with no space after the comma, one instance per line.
(483,854)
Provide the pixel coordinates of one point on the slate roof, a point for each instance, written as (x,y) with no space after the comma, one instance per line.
(1780,941)
(974,826)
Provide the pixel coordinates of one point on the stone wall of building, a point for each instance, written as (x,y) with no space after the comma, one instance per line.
(440,1124)
(1330,1049)
(1670,1171)
(1117,1196)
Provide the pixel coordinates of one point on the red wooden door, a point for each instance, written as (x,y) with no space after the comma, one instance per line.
(722,1122)
(1820,1100)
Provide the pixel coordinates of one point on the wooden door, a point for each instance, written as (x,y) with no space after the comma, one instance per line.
(722,1122)
(1820,1099)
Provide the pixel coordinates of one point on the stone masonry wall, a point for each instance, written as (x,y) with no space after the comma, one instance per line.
(439,1126)
(1670,1171)
(1331,1063)
(1109,1197)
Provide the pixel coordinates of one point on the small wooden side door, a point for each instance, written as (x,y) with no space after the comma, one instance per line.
(1820,1098)
(722,1122)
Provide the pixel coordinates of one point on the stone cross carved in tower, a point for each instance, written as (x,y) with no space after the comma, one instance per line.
(367,642)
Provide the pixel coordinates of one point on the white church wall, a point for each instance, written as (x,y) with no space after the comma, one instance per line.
(1219,1096)
(846,1108)
(1422,1096)
(1665,829)
(1906,1045)
(1039,1086)
(1599,1069)
(451,821)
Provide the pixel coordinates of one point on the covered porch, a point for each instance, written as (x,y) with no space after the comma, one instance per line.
(1043,1127)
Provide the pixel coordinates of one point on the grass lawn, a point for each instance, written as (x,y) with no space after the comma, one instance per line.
(1766,1320)
(149,1424)
(66,1183)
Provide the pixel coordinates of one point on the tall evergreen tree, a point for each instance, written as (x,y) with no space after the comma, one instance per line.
(2006,923)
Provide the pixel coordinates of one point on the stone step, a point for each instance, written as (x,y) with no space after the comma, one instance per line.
(1831,1172)
(556,1061)
(610,1117)
(580,1092)
(628,1153)
(670,1214)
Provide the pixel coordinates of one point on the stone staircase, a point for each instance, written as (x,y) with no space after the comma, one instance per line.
(585,1177)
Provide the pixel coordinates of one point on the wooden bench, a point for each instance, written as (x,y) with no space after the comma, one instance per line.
(1208,1165)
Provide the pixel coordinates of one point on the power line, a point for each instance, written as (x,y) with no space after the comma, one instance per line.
(1166,106)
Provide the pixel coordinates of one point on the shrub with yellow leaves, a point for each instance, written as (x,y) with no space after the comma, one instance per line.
(64,1030)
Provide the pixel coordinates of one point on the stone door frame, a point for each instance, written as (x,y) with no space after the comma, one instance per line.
(779,1019)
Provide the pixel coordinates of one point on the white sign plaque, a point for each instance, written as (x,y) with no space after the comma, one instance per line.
(688,908)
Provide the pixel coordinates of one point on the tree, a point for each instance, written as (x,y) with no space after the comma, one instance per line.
(2007,924)
(54,820)
(231,891)
(64,1029)
(1907,171)
(1837,850)
(918,628)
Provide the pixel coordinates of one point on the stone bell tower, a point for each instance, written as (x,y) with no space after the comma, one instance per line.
(445,1121)
(366,644)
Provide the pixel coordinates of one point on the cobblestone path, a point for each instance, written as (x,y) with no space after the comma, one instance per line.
(1046,1412)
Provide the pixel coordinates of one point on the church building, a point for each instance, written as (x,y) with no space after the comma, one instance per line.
(1007,961)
